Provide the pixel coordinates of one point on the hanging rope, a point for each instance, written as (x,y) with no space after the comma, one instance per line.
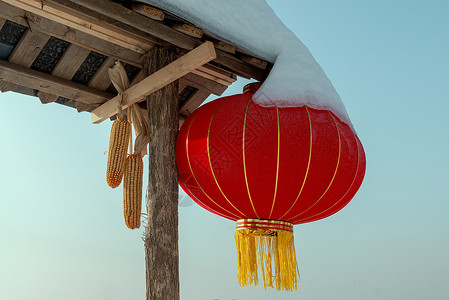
(119,79)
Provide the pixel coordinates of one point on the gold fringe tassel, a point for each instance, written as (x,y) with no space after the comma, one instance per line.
(272,250)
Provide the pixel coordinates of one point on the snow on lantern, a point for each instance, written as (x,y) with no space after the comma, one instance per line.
(268,168)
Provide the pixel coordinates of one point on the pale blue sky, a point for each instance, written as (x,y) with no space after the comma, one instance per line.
(62,230)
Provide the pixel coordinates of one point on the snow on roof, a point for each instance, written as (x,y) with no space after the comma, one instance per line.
(296,78)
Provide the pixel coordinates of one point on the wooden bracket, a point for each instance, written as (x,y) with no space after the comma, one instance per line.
(180,67)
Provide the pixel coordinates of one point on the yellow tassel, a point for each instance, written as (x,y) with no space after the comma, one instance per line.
(273,251)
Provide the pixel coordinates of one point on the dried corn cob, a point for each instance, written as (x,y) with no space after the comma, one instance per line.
(132,191)
(118,145)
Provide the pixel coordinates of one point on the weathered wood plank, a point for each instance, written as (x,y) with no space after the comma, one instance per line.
(66,68)
(161,233)
(122,15)
(92,25)
(254,61)
(2,83)
(28,48)
(157,80)
(181,120)
(47,83)
(200,82)
(100,80)
(69,34)
(182,83)
(148,11)
(24,54)
(70,62)
(242,69)
(188,29)
(225,47)
(138,78)
(2,22)
(127,16)
(193,102)
(12,13)
(168,34)
(215,74)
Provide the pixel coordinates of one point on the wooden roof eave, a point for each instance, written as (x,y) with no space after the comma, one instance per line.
(157,29)
(95,25)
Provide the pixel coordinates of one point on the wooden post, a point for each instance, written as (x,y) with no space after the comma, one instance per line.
(161,234)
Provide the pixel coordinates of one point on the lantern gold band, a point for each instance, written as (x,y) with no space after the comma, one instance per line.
(264,225)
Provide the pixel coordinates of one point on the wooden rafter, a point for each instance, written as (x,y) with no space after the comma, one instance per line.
(200,82)
(215,74)
(133,19)
(92,25)
(119,33)
(66,68)
(25,53)
(50,84)
(116,24)
(41,24)
(180,67)
(148,11)
(99,81)
(123,15)
(193,102)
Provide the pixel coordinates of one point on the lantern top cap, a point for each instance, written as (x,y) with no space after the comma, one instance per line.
(251,88)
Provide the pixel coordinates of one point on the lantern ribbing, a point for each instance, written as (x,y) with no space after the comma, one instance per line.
(268,168)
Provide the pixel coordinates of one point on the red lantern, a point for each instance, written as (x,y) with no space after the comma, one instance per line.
(268,168)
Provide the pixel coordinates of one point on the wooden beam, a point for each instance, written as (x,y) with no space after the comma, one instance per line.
(181,120)
(225,47)
(31,44)
(91,25)
(200,82)
(148,11)
(254,61)
(245,70)
(188,29)
(215,74)
(193,102)
(69,34)
(182,83)
(25,52)
(100,80)
(47,83)
(138,78)
(28,48)
(84,21)
(2,22)
(156,81)
(129,17)
(2,83)
(168,34)
(66,68)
